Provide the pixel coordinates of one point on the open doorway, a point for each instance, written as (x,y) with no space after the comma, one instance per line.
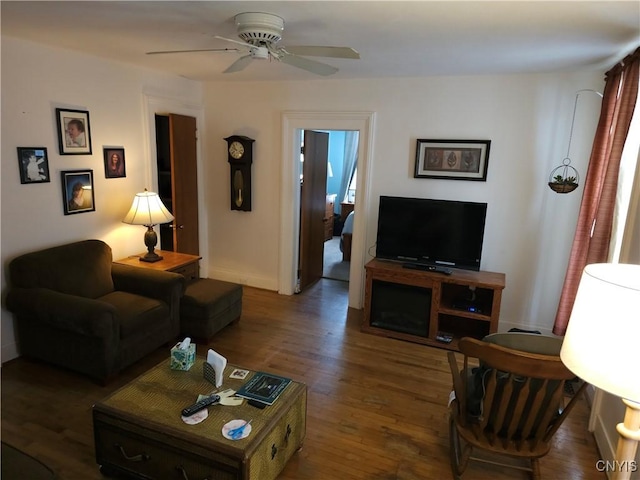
(328,162)
(292,123)
(342,161)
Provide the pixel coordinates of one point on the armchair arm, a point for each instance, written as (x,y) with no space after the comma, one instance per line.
(80,315)
(158,284)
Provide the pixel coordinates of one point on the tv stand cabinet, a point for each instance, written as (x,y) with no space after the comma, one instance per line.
(417,305)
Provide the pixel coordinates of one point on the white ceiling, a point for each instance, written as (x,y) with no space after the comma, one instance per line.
(394,38)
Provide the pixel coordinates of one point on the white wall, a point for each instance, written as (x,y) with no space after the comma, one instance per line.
(527,117)
(36,80)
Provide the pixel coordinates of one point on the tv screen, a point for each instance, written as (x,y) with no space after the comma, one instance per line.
(431,232)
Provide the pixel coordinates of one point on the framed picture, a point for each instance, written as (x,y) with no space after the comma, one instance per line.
(452,159)
(114,163)
(77,191)
(34,165)
(74,132)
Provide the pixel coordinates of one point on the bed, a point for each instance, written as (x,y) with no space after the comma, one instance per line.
(345,238)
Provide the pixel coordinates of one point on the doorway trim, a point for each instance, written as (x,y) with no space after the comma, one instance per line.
(154,104)
(292,123)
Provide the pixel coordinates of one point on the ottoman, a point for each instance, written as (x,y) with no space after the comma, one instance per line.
(208,306)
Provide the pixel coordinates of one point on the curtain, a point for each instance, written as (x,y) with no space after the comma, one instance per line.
(593,231)
(350,163)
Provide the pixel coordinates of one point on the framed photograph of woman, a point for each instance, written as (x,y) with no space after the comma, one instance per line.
(34,165)
(77,191)
(114,166)
(74,132)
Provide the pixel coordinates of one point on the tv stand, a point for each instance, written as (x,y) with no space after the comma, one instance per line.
(423,305)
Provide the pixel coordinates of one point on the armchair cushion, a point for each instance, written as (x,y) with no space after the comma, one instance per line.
(137,313)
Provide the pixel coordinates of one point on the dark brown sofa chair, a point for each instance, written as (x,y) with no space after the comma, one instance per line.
(77,309)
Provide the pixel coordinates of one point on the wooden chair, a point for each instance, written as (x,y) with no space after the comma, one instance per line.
(510,404)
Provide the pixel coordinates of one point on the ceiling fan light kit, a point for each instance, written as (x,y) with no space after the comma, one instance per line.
(260,32)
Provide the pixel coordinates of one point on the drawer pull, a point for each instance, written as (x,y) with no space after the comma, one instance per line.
(143,457)
(286,435)
(274,450)
(181,469)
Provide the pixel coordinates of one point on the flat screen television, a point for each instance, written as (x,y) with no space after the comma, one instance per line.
(431,232)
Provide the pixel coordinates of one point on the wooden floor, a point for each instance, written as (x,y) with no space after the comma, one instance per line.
(377,407)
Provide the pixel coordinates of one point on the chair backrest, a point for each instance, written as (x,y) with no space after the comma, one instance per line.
(80,268)
(520,395)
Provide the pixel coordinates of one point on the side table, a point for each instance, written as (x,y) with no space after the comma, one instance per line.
(183,263)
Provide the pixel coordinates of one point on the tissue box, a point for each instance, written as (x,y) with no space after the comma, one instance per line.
(183,359)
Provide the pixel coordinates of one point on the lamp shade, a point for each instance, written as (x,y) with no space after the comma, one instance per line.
(147,209)
(602,342)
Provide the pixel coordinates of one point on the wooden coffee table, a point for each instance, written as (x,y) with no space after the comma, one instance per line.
(139,432)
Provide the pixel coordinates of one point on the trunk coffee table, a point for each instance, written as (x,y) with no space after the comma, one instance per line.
(139,432)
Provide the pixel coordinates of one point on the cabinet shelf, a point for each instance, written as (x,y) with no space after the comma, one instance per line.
(463,314)
(416,305)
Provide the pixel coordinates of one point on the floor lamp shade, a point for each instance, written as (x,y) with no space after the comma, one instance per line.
(602,342)
(147,209)
(602,347)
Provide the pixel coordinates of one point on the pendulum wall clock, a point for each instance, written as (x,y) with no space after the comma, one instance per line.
(240,157)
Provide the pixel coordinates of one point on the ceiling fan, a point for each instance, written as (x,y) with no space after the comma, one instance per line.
(260,33)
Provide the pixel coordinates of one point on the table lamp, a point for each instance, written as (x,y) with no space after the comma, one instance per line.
(602,346)
(147,209)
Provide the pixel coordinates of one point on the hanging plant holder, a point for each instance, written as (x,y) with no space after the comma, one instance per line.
(564,178)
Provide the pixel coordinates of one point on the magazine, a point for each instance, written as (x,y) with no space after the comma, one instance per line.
(264,387)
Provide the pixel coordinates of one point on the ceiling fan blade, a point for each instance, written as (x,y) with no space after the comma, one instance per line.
(244,44)
(309,65)
(239,64)
(320,51)
(162,52)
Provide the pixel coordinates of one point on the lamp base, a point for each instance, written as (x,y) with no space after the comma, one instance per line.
(150,240)
(151,257)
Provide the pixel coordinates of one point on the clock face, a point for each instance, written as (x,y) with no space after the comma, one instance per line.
(236,150)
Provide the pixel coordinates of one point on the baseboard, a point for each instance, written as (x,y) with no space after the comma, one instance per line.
(606,445)
(265,283)
(605,435)
(9,352)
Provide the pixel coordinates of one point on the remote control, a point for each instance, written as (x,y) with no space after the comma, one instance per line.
(257,404)
(196,407)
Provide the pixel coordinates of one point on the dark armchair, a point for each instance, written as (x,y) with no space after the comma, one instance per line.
(76,309)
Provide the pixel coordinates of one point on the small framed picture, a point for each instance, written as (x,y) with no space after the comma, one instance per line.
(74,132)
(452,159)
(34,165)
(77,191)
(239,373)
(114,163)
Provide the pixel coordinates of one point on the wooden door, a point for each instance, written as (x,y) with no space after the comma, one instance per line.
(313,196)
(176,139)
